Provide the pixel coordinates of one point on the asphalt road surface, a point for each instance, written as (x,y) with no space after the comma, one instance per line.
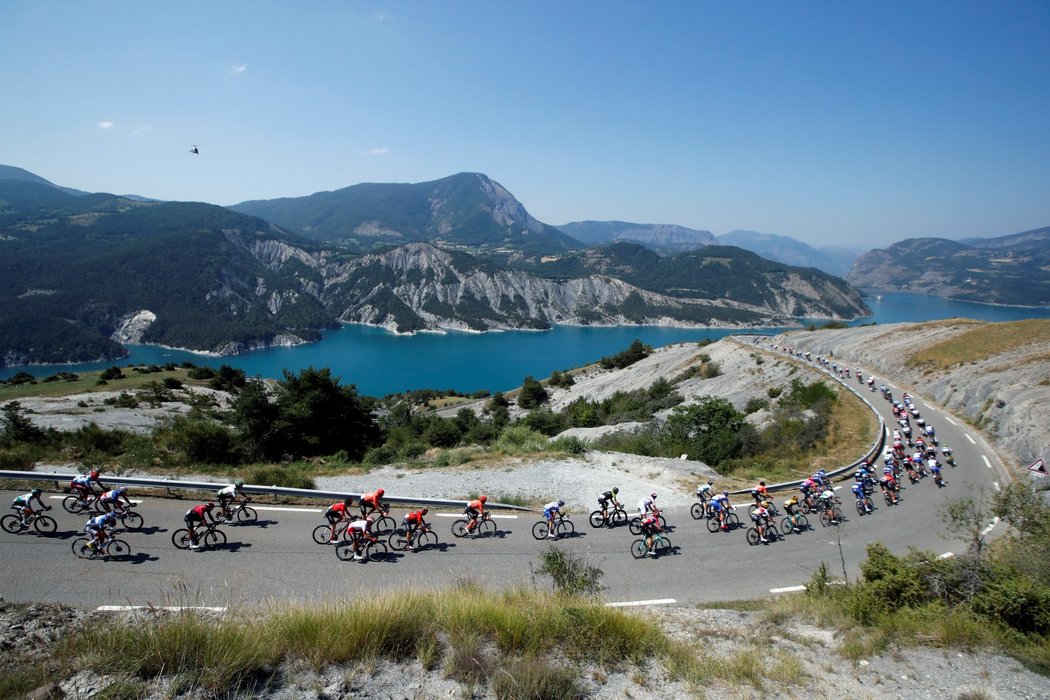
(275,560)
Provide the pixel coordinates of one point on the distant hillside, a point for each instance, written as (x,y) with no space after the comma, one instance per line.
(467,211)
(8,172)
(663,238)
(1012,270)
(835,261)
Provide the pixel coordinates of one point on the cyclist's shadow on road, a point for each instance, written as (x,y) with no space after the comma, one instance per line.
(64,534)
(137,558)
(234,546)
(152,530)
(258,523)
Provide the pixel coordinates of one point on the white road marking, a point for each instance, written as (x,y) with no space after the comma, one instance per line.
(787,589)
(637,603)
(946,555)
(289,510)
(121,608)
(460,515)
(986,462)
(950,420)
(892,386)
(64,496)
(970,438)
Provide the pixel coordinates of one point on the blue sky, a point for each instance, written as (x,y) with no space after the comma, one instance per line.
(836,123)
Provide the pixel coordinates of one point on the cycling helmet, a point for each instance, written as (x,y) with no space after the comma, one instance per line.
(616,489)
(652,495)
(348,501)
(120,491)
(36,492)
(710,483)
(209,505)
(424,511)
(725,493)
(483,498)
(94,473)
(560,503)
(110,517)
(380,492)
(239,483)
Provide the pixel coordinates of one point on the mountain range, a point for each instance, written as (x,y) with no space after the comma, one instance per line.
(82,273)
(1011,269)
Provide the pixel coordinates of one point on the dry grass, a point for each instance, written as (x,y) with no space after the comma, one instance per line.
(87,382)
(982,342)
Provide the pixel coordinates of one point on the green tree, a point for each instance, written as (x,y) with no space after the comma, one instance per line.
(15,427)
(708,430)
(317,416)
(532,394)
(254,415)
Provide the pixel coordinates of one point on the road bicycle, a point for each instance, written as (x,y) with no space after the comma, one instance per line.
(610,518)
(109,547)
(382,524)
(129,519)
(243,513)
(661,545)
(865,505)
(324,534)
(563,526)
(483,526)
(635,524)
(772,534)
(831,516)
(891,497)
(43,524)
(76,505)
(797,523)
(374,549)
(211,537)
(424,538)
(731,521)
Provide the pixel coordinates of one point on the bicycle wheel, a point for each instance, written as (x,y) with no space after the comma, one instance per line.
(861,510)
(11,523)
(888,498)
(662,546)
(839,517)
(133,521)
(802,522)
(247,514)
(772,533)
(345,551)
(81,549)
(45,524)
(732,520)
(619,517)
(181,539)
(214,539)
(753,537)
(117,548)
(697,511)
(825,519)
(597,519)
(635,526)
(383,525)
(638,548)
(565,528)
(377,551)
(540,530)
(713,525)
(663,522)
(74,505)
(322,534)
(427,540)
(486,527)
(869,505)
(397,541)
(459,528)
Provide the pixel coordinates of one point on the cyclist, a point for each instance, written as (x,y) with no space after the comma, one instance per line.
(721,505)
(650,526)
(827,502)
(703,491)
(370,502)
(760,493)
(889,486)
(858,492)
(821,479)
(23,505)
(82,485)
(551,510)
(114,499)
(95,528)
(199,515)
(935,469)
(606,498)
(411,522)
(475,510)
(338,512)
(357,532)
(647,505)
(948,456)
(760,516)
(791,507)
(229,494)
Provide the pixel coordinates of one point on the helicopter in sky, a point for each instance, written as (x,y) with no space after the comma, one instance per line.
(194,150)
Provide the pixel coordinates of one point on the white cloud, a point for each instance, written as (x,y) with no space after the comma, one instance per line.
(238,68)
(105,124)
(379,151)
(140,130)
(382,16)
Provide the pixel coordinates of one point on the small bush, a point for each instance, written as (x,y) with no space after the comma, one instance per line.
(290,477)
(570,573)
(570,443)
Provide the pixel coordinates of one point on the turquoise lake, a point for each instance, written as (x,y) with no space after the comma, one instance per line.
(380,363)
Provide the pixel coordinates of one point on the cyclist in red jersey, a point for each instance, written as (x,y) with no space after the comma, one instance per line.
(198,515)
(336,513)
(370,502)
(412,522)
(475,509)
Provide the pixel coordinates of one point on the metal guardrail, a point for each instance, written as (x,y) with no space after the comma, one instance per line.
(871,454)
(211,488)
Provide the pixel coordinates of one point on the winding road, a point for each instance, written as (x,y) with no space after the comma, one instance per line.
(275,560)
